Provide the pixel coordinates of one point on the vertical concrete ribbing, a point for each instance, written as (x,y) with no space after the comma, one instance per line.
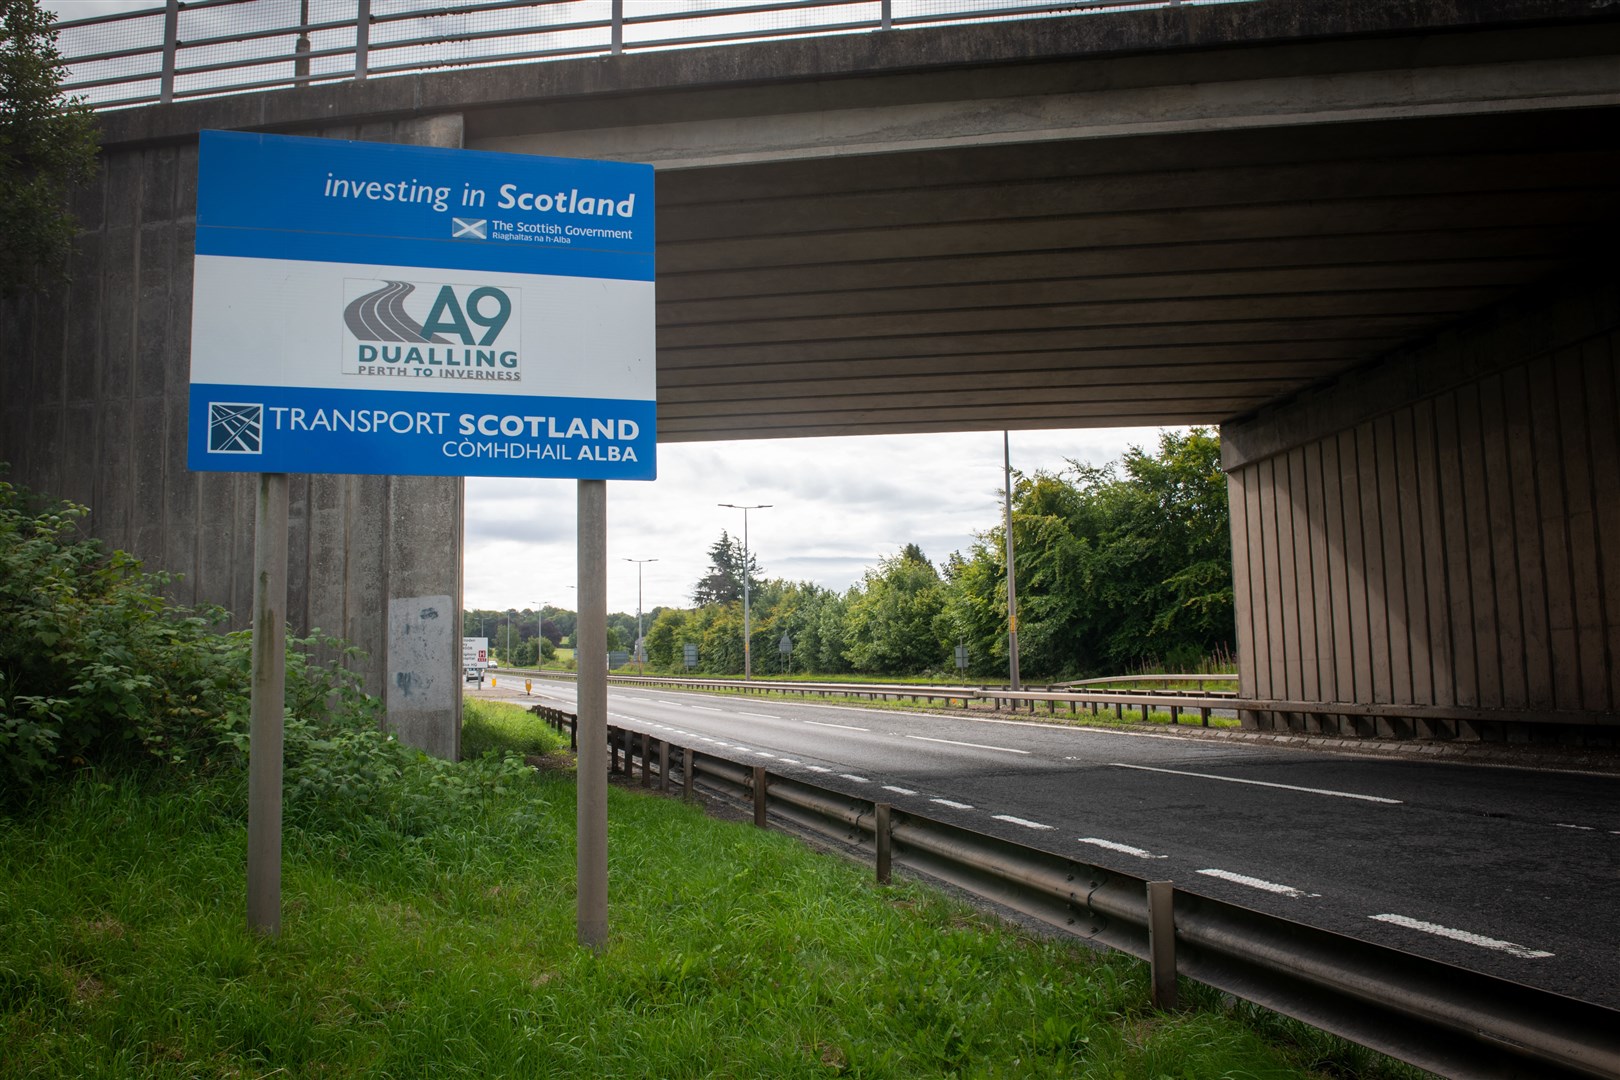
(1476,536)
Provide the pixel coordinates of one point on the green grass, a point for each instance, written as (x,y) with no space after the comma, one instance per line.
(449,950)
(498,725)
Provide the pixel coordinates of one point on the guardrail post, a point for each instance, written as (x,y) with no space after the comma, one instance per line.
(881,829)
(663,765)
(1203,716)
(646,759)
(759,796)
(1162,942)
(688,764)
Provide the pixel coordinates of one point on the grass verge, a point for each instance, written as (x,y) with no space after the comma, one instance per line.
(444,946)
(501,726)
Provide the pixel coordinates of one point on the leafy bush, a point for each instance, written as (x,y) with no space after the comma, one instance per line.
(95,666)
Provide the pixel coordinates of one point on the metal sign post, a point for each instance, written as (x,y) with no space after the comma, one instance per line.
(591,774)
(269,701)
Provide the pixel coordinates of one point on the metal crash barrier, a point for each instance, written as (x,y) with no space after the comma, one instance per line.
(1433,1015)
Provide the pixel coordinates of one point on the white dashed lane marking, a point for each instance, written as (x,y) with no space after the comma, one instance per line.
(898,790)
(846,727)
(1020,821)
(1258,883)
(972,745)
(953,804)
(1124,849)
(1522,952)
(857,779)
(1261,783)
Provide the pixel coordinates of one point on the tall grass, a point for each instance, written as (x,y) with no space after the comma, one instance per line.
(497,725)
(449,950)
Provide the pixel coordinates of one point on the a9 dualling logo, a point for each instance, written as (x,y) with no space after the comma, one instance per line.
(406,329)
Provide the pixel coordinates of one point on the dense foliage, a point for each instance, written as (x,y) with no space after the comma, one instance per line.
(47,145)
(1119,567)
(98,670)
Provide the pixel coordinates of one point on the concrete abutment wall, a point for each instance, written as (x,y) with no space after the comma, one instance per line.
(1431,547)
(93,405)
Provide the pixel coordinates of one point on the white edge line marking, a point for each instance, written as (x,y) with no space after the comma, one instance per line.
(898,790)
(974,745)
(953,804)
(1025,822)
(1124,849)
(1262,783)
(1463,935)
(846,727)
(1258,883)
(852,776)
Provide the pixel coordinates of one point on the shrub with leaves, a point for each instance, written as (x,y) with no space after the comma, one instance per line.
(95,666)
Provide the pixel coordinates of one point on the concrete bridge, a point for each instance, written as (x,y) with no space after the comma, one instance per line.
(1374,242)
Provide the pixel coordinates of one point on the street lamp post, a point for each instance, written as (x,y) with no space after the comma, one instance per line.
(539,624)
(639,563)
(748,651)
(1012,588)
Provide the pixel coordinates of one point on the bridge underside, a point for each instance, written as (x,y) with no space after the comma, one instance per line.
(1187,278)
(1373,242)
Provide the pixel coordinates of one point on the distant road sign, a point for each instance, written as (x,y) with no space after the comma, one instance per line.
(369,308)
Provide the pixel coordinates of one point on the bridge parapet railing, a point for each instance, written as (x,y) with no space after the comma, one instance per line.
(1438,1016)
(1176,702)
(176,49)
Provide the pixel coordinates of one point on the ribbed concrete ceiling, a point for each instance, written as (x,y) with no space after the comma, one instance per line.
(1152,217)
(1148,280)
(1159,217)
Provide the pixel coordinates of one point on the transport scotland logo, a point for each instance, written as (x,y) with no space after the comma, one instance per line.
(235,428)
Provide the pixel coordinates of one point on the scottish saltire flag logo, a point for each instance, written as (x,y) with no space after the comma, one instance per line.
(235,428)
(469,228)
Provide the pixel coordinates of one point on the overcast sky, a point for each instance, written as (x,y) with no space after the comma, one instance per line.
(839,505)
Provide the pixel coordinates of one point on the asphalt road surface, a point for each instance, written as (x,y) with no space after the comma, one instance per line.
(1510,871)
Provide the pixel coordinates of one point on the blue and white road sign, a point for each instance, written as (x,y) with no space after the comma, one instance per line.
(369,308)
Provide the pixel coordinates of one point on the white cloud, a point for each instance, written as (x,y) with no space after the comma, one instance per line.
(838,506)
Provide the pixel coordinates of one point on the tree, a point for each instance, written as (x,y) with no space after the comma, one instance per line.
(47,146)
(1118,566)
(891,616)
(723,582)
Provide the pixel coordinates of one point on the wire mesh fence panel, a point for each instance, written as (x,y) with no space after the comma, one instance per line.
(416,35)
(234,46)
